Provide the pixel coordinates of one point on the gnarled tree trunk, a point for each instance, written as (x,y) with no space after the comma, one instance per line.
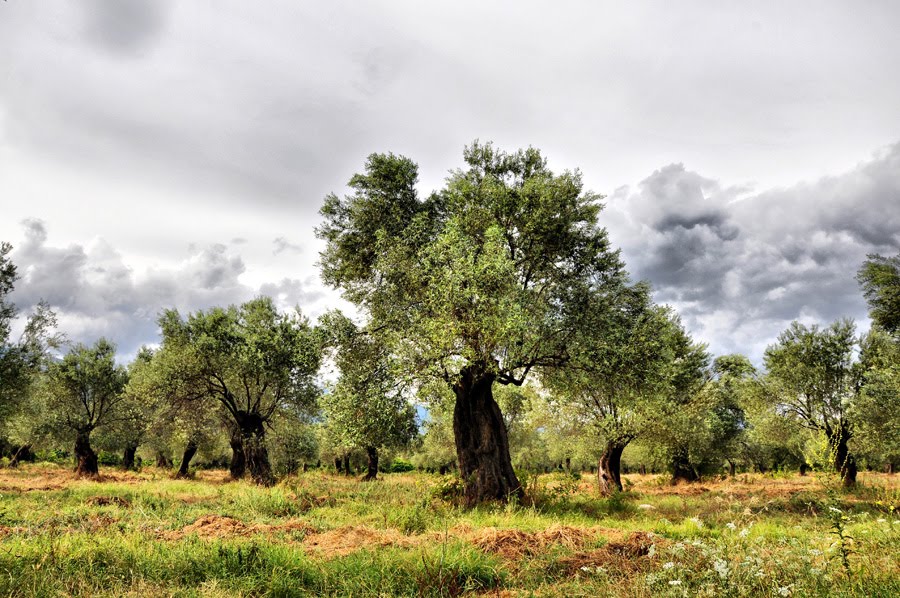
(85,457)
(253,437)
(682,469)
(128,457)
(337,465)
(190,450)
(609,467)
(372,471)
(844,461)
(346,461)
(238,466)
(482,444)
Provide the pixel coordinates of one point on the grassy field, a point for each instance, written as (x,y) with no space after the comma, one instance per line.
(321,534)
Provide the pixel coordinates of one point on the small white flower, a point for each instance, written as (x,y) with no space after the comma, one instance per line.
(651,552)
(730,525)
(721,568)
(745,532)
(675,582)
(815,552)
(882,521)
(586,569)
(696,521)
(678,547)
(784,590)
(668,565)
(834,510)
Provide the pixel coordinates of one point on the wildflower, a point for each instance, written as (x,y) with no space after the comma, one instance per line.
(721,568)
(730,525)
(784,590)
(835,510)
(882,521)
(675,582)
(696,521)
(651,552)
(668,565)
(815,552)
(745,532)
(679,547)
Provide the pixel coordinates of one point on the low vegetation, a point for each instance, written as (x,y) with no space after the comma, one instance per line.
(320,534)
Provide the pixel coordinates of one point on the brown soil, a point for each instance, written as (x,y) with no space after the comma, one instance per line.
(344,540)
(218,526)
(628,556)
(513,544)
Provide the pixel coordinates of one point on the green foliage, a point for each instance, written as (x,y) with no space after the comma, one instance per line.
(880,280)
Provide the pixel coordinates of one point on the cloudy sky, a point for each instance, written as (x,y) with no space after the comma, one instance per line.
(156,153)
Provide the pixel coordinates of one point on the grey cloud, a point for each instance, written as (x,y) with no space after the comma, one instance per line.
(731,266)
(281,245)
(124,26)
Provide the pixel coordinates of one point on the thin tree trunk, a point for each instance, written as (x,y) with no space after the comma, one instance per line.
(682,470)
(22,454)
(890,468)
(190,450)
(844,461)
(482,444)
(128,457)
(346,461)
(337,465)
(731,468)
(253,437)
(86,458)
(609,468)
(372,471)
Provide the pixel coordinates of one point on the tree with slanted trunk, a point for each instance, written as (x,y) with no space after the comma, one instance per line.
(249,359)
(624,370)
(368,406)
(813,380)
(479,284)
(84,392)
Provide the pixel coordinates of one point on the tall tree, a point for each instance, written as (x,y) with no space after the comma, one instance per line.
(480,283)
(876,411)
(252,360)
(368,407)
(813,381)
(880,279)
(84,391)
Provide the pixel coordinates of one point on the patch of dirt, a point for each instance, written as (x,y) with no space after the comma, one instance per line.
(102,501)
(218,526)
(513,544)
(344,540)
(628,556)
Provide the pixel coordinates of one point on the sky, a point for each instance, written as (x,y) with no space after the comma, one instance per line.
(157,154)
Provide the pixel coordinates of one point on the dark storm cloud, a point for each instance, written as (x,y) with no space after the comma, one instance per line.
(740,269)
(95,293)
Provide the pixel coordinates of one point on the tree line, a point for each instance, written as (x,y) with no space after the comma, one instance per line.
(499,303)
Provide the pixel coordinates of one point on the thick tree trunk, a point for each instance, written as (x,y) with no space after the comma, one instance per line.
(337,465)
(253,437)
(372,471)
(190,450)
(85,457)
(682,470)
(346,461)
(482,444)
(128,458)
(609,468)
(731,468)
(238,466)
(844,461)
(162,460)
(22,454)
(803,468)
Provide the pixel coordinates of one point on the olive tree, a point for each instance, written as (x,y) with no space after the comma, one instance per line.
(84,392)
(813,381)
(879,277)
(368,407)
(480,283)
(250,360)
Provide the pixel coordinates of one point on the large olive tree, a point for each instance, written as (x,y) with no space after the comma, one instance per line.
(481,282)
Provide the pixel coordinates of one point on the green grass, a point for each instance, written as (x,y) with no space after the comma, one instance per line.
(323,535)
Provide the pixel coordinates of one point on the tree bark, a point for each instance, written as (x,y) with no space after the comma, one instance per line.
(482,443)
(128,457)
(190,450)
(372,471)
(731,468)
(346,461)
(844,461)
(890,468)
(337,465)
(162,460)
(253,437)
(682,470)
(22,454)
(609,468)
(238,466)
(86,458)
(803,468)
